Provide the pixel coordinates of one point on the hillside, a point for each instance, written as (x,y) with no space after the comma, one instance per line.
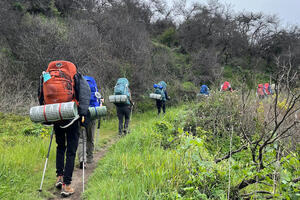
(141,41)
(203,150)
(228,145)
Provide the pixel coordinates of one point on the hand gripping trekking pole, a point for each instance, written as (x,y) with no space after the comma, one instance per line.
(44,171)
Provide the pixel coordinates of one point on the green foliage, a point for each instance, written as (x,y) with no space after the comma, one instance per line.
(238,76)
(173,157)
(18,6)
(168,37)
(53,9)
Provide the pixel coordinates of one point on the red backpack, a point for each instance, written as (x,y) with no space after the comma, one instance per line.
(267,88)
(225,86)
(260,90)
(59,86)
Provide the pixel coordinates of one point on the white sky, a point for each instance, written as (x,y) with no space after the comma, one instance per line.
(288,11)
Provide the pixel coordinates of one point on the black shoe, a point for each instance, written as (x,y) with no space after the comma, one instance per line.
(81,165)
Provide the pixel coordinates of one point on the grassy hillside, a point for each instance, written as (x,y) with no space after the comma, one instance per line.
(176,157)
(183,154)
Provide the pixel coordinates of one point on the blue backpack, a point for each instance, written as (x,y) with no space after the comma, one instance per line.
(204,90)
(121,88)
(94,102)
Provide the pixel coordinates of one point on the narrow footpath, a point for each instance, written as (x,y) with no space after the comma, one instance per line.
(105,140)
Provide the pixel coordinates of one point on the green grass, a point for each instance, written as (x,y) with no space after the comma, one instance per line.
(23,150)
(136,167)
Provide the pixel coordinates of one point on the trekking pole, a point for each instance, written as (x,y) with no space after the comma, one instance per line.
(44,171)
(131,113)
(83,161)
(99,122)
(83,153)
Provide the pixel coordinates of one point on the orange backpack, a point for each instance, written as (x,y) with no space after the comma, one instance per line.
(59,87)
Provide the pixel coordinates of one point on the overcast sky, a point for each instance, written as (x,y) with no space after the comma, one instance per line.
(288,11)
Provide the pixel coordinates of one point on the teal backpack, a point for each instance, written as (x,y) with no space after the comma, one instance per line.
(121,88)
(160,89)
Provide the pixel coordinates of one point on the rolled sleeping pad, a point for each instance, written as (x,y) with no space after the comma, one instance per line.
(117,98)
(155,96)
(202,95)
(54,112)
(97,112)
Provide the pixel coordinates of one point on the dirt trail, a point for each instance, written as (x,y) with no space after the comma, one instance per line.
(77,174)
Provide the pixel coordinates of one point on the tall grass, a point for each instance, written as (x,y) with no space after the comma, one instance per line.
(137,167)
(23,150)
(22,161)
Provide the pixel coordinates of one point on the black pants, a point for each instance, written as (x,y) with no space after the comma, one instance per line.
(123,111)
(66,139)
(159,104)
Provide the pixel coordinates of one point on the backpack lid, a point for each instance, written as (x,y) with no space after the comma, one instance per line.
(122,81)
(162,83)
(260,85)
(89,78)
(226,83)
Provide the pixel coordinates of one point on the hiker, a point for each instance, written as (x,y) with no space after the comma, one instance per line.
(204,90)
(124,109)
(268,89)
(89,131)
(273,88)
(62,83)
(226,87)
(260,92)
(161,88)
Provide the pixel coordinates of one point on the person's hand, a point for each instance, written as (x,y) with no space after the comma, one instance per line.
(84,120)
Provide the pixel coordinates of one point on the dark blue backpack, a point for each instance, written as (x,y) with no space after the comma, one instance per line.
(94,102)
(204,90)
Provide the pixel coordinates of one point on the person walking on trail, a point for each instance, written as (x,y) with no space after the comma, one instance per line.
(161,88)
(226,87)
(89,131)
(204,90)
(261,92)
(123,109)
(62,83)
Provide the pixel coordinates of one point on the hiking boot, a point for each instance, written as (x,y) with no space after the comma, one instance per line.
(81,165)
(67,190)
(59,182)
